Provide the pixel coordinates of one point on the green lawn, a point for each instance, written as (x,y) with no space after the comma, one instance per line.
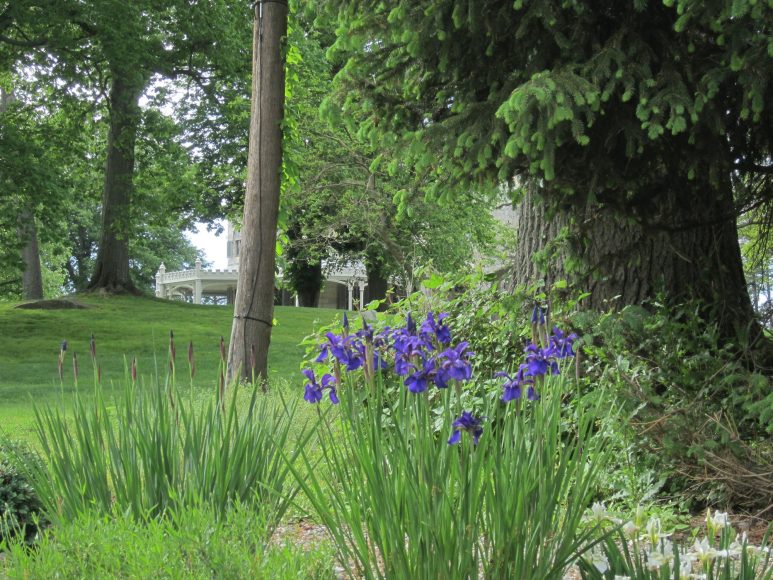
(125,327)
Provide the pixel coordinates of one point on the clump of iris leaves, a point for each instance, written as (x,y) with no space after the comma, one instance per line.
(502,496)
(499,489)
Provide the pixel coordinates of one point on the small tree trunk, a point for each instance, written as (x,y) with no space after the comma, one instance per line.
(111,270)
(378,283)
(254,308)
(308,283)
(32,278)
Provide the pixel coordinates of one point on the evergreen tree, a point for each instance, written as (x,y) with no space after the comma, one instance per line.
(635,121)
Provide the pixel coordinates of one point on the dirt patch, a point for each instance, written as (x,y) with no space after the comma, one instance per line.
(58,304)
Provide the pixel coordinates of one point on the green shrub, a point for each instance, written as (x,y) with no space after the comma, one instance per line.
(20,506)
(698,416)
(698,419)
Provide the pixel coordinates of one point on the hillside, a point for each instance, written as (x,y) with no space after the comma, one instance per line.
(124,327)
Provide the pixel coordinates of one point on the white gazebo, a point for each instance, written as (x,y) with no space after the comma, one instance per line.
(199,284)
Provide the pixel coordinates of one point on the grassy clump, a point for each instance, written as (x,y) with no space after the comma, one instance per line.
(156,451)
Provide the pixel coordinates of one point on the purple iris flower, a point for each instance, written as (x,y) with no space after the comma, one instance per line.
(562,345)
(362,354)
(403,366)
(355,355)
(343,349)
(335,345)
(538,314)
(379,362)
(469,423)
(430,328)
(408,344)
(417,381)
(540,361)
(531,394)
(512,389)
(407,348)
(366,333)
(410,325)
(314,389)
(455,364)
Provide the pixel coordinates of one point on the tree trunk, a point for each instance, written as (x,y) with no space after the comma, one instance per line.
(254,308)
(378,283)
(111,270)
(307,280)
(32,278)
(78,265)
(687,249)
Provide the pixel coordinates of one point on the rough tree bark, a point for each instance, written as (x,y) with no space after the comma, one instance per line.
(32,278)
(111,270)
(254,308)
(686,248)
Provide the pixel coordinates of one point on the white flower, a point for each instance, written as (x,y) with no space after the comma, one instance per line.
(685,566)
(654,531)
(656,560)
(720,520)
(703,550)
(630,529)
(599,560)
(598,513)
(716,522)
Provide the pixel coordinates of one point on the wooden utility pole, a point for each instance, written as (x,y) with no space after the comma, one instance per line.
(254,305)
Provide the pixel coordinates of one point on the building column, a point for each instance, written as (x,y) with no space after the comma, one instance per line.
(160,290)
(297,301)
(349,289)
(197,284)
(197,291)
(361,286)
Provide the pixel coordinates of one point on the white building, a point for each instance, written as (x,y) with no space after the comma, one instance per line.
(343,286)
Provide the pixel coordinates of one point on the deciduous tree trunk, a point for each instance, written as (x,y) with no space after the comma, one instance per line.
(308,282)
(378,284)
(111,270)
(32,278)
(687,248)
(254,308)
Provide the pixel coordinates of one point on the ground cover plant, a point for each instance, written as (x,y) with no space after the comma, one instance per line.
(194,543)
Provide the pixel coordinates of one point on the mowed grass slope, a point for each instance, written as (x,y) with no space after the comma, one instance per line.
(126,327)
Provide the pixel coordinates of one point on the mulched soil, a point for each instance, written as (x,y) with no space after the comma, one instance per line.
(57,304)
(309,535)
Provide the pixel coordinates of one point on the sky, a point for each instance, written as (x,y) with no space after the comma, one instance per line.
(214,246)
